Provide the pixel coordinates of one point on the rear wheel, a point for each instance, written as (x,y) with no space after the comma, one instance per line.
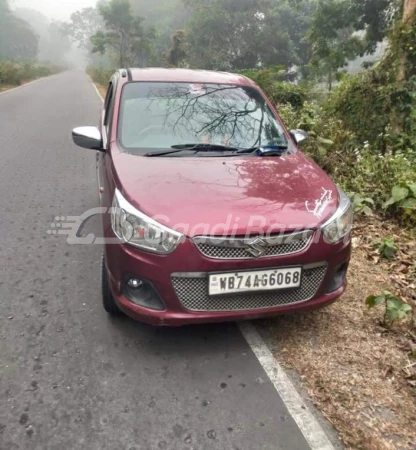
(108,300)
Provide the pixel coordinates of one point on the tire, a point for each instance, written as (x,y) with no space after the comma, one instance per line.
(108,300)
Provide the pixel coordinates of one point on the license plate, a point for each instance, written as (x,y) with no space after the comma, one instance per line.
(259,280)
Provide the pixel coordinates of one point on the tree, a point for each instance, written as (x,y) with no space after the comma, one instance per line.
(53,44)
(17,39)
(84,24)
(124,33)
(407,67)
(166,16)
(283,39)
(241,34)
(341,30)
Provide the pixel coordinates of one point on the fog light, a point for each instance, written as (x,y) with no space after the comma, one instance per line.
(135,283)
(142,293)
(338,278)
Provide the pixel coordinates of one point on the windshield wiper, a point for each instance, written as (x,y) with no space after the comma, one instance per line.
(196,148)
(265,150)
(207,147)
(262,150)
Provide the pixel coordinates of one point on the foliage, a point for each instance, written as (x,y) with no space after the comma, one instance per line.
(240,34)
(403,196)
(333,33)
(100,75)
(83,24)
(279,92)
(350,102)
(18,42)
(166,16)
(380,105)
(123,33)
(386,247)
(328,142)
(395,308)
(362,205)
(377,109)
(13,74)
(53,45)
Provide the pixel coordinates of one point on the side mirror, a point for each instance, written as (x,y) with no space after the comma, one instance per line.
(88,137)
(299,135)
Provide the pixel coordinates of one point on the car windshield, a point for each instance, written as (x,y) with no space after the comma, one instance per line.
(161,115)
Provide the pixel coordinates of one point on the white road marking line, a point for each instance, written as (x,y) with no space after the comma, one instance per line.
(96,89)
(26,84)
(307,423)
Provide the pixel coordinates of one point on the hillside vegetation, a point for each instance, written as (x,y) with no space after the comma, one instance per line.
(23,34)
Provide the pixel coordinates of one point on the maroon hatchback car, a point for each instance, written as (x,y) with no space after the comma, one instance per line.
(214,214)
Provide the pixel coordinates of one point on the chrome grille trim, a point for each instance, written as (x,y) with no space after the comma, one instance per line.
(192,291)
(253,247)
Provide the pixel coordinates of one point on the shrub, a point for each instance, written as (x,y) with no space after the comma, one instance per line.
(329,143)
(377,109)
(277,90)
(362,205)
(100,75)
(386,247)
(363,106)
(404,196)
(395,308)
(10,73)
(15,74)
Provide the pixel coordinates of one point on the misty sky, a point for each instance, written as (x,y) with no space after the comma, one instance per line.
(54,9)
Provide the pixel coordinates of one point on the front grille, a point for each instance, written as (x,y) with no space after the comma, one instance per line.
(192,292)
(212,251)
(236,248)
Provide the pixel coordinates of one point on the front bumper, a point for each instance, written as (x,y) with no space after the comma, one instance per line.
(187,262)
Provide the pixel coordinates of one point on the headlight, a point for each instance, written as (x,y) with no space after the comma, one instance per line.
(340,224)
(137,229)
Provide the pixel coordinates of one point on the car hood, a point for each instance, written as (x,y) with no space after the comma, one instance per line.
(222,196)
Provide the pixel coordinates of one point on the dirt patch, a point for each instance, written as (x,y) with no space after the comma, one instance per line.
(358,372)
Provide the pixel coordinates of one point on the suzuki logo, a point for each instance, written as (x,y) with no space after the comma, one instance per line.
(256,247)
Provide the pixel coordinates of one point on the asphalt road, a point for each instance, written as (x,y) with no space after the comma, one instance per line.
(71,377)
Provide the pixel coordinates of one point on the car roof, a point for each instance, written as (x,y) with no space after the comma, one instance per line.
(188,76)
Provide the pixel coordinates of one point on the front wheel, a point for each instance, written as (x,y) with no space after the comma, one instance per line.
(108,300)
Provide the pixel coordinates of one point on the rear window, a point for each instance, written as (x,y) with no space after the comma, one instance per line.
(160,115)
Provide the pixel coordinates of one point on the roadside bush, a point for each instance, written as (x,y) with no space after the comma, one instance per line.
(100,75)
(15,74)
(379,105)
(363,107)
(11,74)
(271,80)
(329,143)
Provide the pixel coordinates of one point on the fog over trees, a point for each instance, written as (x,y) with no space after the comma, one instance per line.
(212,34)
